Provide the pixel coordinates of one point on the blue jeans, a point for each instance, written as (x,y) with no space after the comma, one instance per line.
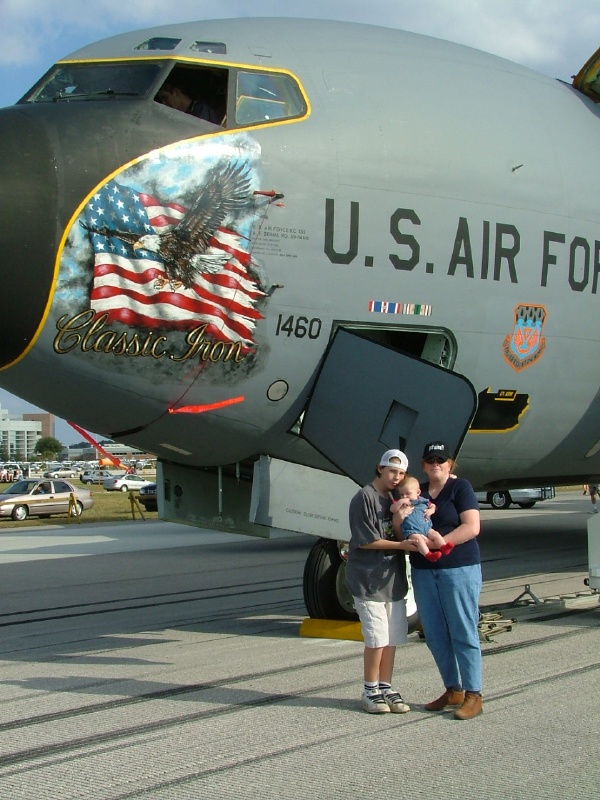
(448,605)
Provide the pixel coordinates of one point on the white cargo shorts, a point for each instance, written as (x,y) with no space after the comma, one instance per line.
(382,624)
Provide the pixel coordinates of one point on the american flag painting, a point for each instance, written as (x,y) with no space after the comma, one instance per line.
(131,285)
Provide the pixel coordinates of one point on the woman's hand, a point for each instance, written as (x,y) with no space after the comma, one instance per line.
(435,539)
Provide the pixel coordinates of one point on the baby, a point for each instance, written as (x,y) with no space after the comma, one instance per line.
(417,526)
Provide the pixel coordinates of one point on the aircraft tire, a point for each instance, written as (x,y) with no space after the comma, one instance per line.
(324,585)
(326,595)
(499,500)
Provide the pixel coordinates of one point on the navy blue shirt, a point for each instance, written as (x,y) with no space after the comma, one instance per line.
(456,496)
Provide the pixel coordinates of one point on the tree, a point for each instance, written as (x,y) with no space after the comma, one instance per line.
(47,447)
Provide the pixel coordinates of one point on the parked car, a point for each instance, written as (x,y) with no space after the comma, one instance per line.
(148,498)
(525,498)
(97,475)
(43,498)
(124,483)
(11,471)
(60,472)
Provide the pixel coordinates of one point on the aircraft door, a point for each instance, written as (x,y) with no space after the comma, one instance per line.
(369,397)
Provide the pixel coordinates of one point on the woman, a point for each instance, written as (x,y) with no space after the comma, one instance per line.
(447,591)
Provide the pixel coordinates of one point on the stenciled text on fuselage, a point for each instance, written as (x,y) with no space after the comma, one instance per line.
(89,332)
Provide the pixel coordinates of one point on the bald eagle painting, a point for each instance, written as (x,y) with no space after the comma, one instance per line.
(184,249)
(163,264)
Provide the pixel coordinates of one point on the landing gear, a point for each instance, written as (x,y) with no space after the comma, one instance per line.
(326,595)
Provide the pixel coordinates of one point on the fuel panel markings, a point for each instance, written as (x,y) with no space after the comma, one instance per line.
(499,412)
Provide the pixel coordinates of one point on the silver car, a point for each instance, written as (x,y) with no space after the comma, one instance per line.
(124,483)
(43,498)
(525,498)
(61,472)
(97,475)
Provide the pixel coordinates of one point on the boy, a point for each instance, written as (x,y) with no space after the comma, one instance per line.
(417,526)
(376,578)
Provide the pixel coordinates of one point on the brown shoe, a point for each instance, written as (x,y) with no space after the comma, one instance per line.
(451,697)
(472,707)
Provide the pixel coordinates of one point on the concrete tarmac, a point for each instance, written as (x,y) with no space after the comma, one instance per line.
(149,660)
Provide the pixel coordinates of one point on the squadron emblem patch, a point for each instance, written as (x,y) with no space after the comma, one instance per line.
(525,345)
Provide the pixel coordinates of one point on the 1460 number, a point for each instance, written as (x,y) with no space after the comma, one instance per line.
(298,327)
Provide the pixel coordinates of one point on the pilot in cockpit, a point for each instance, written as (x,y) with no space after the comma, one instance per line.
(175,96)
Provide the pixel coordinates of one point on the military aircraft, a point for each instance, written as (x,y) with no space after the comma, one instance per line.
(266,250)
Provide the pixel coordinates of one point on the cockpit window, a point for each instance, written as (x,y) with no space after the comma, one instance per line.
(94,81)
(261,97)
(266,96)
(226,96)
(159,43)
(199,91)
(587,80)
(209,47)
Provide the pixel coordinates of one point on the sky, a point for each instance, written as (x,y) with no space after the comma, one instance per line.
(554,37)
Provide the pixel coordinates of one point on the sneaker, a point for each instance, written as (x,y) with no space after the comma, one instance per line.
(395,701)
(373,702)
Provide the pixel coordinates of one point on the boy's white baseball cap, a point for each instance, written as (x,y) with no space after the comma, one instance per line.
(385,460)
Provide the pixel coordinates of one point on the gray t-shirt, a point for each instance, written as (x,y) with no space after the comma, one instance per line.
(373,574)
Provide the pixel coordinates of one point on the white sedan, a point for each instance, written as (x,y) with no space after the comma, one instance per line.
(124,483)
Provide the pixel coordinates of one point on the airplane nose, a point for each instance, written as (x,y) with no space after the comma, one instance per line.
(28,229)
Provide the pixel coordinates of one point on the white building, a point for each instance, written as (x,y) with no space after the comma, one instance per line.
(19,435)
(124,452)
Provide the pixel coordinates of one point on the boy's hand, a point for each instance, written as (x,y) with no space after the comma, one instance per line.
(403,507)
